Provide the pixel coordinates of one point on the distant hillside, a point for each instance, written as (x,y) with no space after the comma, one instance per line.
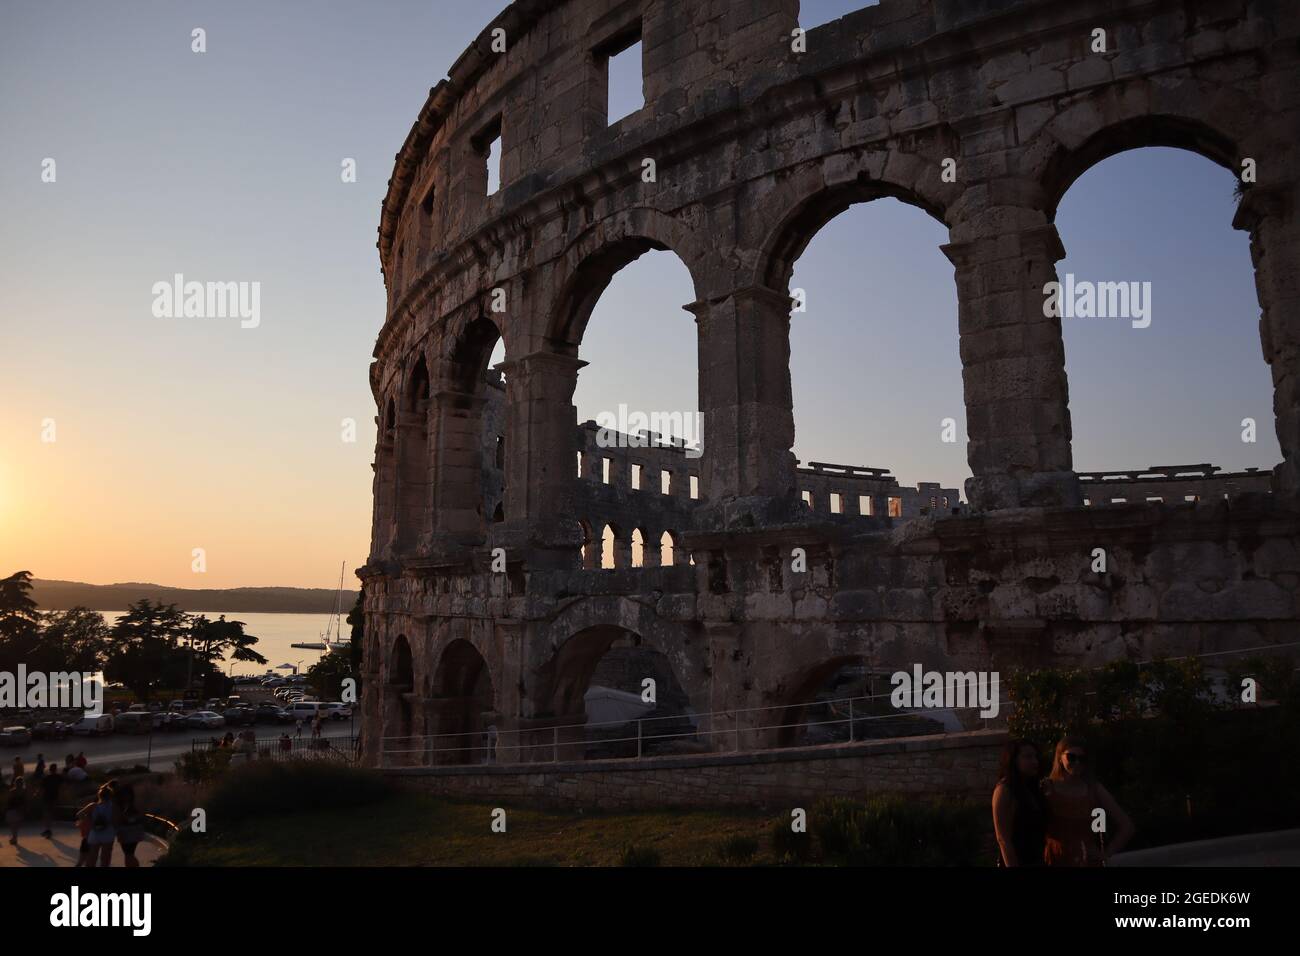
(61,595)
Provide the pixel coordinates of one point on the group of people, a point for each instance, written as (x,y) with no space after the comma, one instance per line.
(114,817)
(1066,818)
(42,790)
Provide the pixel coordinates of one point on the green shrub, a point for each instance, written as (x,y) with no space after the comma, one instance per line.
(639,856)
(202,766)
(269,787)
(789,846)
(737,849)
(891,831)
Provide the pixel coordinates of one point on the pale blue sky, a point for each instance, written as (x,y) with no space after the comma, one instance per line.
(180,434)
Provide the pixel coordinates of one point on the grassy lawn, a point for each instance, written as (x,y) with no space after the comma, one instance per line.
(412,829)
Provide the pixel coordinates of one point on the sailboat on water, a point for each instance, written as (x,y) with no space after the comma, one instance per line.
(332,638)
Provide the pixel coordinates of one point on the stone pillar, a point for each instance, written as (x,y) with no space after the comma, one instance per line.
(413,514)
(1271,216)
(745,398)
(385,481)
(728,728)
(1013,369)
(458,454)
(541,465)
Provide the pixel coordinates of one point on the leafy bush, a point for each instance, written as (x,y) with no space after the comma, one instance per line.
(737,849)
(789,846)
(639,856)
(202,766)
(892,831)
(269,787)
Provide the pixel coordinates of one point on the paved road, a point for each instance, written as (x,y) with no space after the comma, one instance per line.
(62,850)
(157,751)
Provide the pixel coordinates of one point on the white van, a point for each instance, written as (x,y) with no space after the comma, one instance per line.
(304,710)
(92,726)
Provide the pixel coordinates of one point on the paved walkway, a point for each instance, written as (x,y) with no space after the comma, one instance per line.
(1279,848)
(62,850)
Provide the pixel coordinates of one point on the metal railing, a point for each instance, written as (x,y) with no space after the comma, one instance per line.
(743,730)
(344,749)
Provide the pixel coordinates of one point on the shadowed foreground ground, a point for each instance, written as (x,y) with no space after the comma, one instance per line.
(35,850)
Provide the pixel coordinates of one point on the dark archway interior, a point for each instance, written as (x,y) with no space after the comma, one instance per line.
(464,701)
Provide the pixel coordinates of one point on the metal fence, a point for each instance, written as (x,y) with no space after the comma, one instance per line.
(344,749)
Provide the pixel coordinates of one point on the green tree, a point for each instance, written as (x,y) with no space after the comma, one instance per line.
(19,620)
(147,653)
(214,640)
(76,639)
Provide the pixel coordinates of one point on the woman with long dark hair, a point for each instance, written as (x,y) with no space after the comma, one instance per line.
(1074,795)
(1019,809)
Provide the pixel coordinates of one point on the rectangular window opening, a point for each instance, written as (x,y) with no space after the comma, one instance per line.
(695,487)
(837,506)
(666,482)
(488,145)
(636,477)
(605,466)
(807,498)
(895,507)
(624,77)
(866,505)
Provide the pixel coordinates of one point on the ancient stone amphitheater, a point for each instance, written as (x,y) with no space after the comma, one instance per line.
(743,583)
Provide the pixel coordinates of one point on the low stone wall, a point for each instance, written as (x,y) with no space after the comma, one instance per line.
(958,765)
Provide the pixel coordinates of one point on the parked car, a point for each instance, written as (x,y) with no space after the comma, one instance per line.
(15,737)
(240,716)
(92,726)
(304,710)
(336,710)
(172,721)
(270,712)
(133,722)
(205,719)
(51,730)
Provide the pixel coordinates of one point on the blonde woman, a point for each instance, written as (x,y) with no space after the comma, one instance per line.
(1073,796)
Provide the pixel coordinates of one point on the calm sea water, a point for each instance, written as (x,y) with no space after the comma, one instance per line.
(275,632)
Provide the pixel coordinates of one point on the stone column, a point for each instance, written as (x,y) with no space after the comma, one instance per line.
(540,469)
(1013,369)
(412,514)
(1271,216)
(458,455)
(744,376)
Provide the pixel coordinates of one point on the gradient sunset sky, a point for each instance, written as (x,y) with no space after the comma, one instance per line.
(175,434)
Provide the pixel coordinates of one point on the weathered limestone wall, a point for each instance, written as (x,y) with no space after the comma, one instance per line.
(958,765)
(756,147)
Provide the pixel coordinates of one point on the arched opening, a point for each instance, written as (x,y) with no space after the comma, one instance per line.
(1159,310)
(666,549)
(414,516)
(843,699)
(473,446)
(639,384)
(875,359)
(609,548)
(400,745)
(464,706)
(625,691)
(638,548)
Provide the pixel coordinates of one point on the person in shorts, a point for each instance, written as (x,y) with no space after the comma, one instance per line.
(103,831)
(129,821)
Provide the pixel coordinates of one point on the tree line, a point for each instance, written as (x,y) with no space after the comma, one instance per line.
(153,647)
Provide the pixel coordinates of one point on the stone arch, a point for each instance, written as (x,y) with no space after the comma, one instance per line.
(596,622)
(462,704)
(815,203)
(797,701)
(595,257)
(400,743)
(1064,165)
(472,415)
